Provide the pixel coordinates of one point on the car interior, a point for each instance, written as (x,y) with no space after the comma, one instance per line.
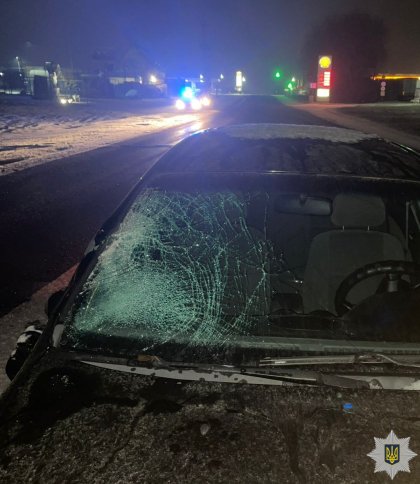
(319,247)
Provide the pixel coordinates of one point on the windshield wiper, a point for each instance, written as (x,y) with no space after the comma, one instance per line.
(278,374)
(153,362)
(149,365)
(411,361)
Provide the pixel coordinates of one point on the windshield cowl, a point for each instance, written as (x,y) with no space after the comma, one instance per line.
(276,377)
(370,371)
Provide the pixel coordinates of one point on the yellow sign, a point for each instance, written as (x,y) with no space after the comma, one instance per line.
(325,62)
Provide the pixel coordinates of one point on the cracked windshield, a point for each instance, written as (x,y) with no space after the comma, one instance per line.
(233,266)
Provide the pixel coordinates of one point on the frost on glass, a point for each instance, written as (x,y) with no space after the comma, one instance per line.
(180,266)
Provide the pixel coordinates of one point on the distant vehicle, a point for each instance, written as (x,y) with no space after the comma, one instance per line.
(192,99)
(69,98)
(250,313)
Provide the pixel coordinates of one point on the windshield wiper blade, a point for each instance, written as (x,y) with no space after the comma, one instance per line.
(308,360)
(411,361)
(229,374)
(152,361)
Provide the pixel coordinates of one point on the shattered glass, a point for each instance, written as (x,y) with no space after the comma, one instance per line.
(207,264)
(180,265)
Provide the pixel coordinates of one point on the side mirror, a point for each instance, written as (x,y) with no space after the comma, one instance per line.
(23,348)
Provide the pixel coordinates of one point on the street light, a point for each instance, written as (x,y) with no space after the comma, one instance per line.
(153,79)
(222,76)
(18,63)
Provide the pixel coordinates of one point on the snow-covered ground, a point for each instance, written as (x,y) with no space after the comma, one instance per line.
(32,133)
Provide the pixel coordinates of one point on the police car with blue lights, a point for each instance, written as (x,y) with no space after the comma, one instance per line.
(192,99)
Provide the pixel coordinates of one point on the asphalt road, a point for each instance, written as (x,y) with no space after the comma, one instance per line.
(49,213)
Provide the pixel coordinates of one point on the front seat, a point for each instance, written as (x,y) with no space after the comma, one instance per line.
(333,255)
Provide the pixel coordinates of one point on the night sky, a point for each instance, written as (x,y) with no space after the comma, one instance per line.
(186,37)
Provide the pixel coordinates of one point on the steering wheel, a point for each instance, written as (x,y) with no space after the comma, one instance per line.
(393,271)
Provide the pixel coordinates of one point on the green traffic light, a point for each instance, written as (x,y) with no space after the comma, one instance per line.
(277,75)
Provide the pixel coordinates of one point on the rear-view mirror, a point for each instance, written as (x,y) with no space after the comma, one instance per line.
(303,205)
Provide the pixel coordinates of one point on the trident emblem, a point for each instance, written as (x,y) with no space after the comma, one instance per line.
(392,454)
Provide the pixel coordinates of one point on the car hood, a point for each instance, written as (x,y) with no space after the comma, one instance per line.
(136,429)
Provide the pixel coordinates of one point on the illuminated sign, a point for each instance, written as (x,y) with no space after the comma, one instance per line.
(239,81)
(323,93)
(325,62)
(389,77)
(324,78)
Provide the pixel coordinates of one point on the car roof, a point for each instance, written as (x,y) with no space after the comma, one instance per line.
(266,131)
(288,148)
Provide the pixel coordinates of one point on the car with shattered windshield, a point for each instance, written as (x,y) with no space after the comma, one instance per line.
(250,313)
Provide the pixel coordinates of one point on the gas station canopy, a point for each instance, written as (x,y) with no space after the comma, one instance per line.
(390,77)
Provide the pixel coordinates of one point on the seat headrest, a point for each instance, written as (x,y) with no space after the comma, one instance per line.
(357,210)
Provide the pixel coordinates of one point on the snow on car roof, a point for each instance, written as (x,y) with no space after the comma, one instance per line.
(297,131)
(292,149)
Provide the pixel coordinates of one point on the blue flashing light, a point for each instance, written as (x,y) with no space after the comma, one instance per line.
(187,93)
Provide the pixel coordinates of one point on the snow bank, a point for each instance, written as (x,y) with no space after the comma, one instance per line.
(34,134)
